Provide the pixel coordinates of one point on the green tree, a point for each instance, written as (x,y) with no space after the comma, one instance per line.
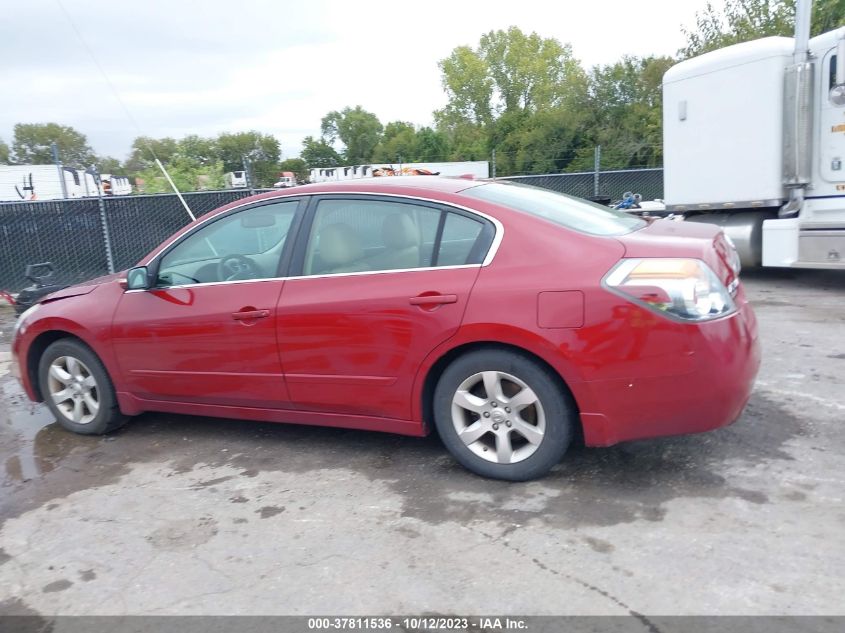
(32,141)
(298,166)
(262,152)
(402,142)
(4,153)
(398,144)
(204,150)
(544,142)
(431,146)
(466,140)
(511,72)
(318,153)
(358,130)
(469,86)
(497,92)
(625,114)
(108,165)
(743,20)
(145,150)
(188,174)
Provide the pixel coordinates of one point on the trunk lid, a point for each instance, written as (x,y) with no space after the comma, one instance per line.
(669,238)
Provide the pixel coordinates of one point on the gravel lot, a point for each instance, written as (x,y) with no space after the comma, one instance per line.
(181,515)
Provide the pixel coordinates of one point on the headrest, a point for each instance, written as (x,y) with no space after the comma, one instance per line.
(398,231)
(340,244)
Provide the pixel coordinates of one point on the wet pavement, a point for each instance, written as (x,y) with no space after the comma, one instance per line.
(182,515)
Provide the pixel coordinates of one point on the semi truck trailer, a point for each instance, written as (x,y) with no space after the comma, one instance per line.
(754,141)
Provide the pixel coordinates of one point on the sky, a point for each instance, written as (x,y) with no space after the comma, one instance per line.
(202,67)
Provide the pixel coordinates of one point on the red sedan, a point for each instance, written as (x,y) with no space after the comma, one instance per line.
(509,318)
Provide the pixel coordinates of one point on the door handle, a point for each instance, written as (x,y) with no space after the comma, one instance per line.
(433,300)
(248,315)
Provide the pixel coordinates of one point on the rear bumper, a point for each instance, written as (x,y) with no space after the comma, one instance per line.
(699,392)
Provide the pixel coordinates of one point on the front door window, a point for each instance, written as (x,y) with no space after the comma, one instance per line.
(241,246)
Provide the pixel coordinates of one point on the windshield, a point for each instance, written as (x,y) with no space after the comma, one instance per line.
(573,213)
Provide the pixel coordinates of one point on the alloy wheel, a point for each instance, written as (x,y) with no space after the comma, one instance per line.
(73,389)
(498,417)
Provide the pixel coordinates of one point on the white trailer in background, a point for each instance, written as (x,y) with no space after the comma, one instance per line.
(123,187)
(20,183)
(754,141)
(23,183)
(473,169)
(92,188)
(115,185)
(235,180)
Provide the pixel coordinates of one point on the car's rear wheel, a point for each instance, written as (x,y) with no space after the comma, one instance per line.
(77,389)
(503,415)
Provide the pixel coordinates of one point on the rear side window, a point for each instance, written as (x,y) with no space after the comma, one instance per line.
(458,241)
(368,235)
(572,213)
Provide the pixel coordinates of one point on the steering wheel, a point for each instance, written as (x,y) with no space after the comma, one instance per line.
(234,267)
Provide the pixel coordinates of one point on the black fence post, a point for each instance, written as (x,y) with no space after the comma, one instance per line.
(596,168)
(106,237)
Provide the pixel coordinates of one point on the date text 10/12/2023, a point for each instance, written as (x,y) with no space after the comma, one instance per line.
(423,623)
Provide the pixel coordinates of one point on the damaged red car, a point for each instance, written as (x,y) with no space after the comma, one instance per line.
(511,319)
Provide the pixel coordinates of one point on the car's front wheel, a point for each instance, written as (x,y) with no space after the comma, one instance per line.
(77,389)
(503,415)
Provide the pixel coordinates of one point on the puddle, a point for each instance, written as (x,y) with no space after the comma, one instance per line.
(31,442)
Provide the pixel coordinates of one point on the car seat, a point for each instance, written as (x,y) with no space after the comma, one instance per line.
(340,250)
(402,244)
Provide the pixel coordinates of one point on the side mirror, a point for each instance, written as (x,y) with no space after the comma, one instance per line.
(138,278)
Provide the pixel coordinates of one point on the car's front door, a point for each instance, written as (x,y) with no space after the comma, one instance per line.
(383,282)
(206,333)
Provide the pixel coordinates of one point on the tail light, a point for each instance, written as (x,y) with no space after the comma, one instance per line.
(683,289)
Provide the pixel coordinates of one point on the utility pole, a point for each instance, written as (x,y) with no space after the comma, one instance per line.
(58,162)
(493,160)
(596,167)
(247,164)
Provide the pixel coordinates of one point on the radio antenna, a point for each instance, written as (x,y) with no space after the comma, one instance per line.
(125,109)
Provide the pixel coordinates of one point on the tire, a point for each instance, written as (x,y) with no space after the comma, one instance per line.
(72,381)
(537,434)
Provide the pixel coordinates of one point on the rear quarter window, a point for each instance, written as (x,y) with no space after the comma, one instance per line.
(572,213)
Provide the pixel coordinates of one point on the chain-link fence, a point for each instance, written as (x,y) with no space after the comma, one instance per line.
(607,185)
(89,237)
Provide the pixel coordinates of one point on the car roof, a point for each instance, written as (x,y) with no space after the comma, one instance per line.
(396,185)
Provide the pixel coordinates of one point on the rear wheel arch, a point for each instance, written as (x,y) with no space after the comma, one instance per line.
(440,365)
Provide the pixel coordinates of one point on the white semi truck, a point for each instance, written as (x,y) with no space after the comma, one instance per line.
(754,141)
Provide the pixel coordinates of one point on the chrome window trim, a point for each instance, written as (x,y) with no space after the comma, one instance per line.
(488,259)
(300,277)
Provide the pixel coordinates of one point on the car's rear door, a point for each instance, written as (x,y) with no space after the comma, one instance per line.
(371,299)
(207,332)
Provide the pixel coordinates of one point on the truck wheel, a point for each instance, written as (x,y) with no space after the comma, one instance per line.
(503,415)
(77,389)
